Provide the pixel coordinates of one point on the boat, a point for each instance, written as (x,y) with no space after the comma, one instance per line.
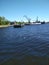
(42,22)
(18,25)
(27,24)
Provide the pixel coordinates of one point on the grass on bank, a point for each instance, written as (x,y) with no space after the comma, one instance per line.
(27,60)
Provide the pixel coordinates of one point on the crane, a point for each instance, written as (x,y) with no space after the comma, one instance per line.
(37,19)
(27,18)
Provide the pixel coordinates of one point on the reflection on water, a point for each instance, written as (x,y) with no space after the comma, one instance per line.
(28,45)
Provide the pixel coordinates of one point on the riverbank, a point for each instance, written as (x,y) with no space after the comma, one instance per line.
(2,26)
(26,60)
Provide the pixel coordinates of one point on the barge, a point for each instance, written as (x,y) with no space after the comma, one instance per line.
(18,25)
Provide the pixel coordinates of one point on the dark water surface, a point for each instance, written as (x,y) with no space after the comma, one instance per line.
(28,45)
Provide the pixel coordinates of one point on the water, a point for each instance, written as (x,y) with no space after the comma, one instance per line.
(25,46)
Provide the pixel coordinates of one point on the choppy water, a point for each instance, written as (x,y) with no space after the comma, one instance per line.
(29,44)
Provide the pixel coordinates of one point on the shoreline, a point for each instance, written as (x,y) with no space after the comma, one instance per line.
(3,26)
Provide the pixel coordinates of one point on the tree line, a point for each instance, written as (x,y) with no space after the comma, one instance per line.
(3,21)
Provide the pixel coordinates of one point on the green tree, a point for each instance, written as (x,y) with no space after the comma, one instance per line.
(3,21)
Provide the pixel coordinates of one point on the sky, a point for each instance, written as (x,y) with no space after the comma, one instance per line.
(16,9)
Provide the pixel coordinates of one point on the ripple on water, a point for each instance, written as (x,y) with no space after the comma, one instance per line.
(29,44)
